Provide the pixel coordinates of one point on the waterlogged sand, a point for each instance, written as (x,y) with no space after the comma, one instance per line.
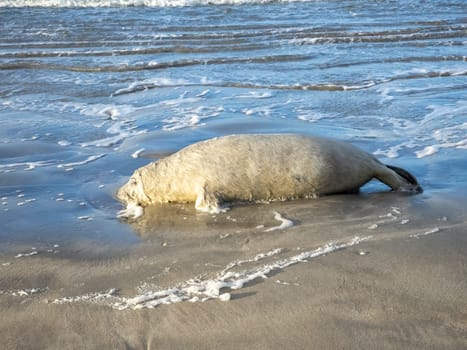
(355,272)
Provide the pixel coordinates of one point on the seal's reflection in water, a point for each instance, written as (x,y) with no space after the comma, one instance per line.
(183,220)
(315,221)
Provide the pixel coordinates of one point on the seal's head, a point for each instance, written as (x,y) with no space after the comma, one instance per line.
(132,193)
(408,182)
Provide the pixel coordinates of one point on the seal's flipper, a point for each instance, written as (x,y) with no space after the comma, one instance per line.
(407,176)
(398,179)
(208,202)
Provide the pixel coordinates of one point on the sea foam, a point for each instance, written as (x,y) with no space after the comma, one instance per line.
(285,223)
(122,3)
(218,287)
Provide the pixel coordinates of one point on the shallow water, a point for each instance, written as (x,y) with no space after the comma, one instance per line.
(89,94)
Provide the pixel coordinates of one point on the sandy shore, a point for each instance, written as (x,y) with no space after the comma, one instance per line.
(401,285)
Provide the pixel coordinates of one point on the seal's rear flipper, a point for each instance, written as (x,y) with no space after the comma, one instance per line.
(407,176)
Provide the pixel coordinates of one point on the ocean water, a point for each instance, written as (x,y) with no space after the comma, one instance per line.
(91,90)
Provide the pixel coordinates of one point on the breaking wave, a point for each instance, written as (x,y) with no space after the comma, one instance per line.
(129,3)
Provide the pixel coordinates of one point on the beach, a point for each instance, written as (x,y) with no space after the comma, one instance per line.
(92,90)
(402,286)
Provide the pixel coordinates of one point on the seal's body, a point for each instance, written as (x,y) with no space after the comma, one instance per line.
(259,168)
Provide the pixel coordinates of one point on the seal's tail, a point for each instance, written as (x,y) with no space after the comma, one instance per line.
(407,176)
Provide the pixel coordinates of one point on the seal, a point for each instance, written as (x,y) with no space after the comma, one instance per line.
(259,168)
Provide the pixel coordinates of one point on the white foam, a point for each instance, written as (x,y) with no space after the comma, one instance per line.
(107,111)
(358,87)
(118,116)
(440,128)
(90,297)
(426,233)
(262,110)
(131,211)
(448,134)
(284,283)
(123,3)
(393,151)
(312,116)
(433,149)
(190,117)
(256,95)
(24,292)
(285,223)
(26,165)
(137,153)
(257,258)
(22,255)
(203,93)
(225,297)
(88,160)
(120,130)
(64,143)
(218,287)
(150,83)
(427,151)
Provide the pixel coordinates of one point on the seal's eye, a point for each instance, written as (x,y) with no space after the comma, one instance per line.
(133,181)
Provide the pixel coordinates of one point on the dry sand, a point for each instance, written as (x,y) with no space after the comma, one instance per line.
(404,287)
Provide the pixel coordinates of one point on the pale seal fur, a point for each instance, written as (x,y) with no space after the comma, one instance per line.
(259,168)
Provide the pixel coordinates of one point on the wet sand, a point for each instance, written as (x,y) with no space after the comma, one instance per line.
(402,286)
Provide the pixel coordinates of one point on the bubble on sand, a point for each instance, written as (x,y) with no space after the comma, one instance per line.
(225,297)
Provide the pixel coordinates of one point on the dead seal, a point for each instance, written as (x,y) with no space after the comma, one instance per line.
(258,168)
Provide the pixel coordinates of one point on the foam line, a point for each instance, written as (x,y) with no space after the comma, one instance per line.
(123,3)
(219,287)
(426,233)
(86,161)
(26,165)
(285,223)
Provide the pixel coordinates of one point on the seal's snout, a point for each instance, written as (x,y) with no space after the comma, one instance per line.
(124,195)
(121,195)
(133,192)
